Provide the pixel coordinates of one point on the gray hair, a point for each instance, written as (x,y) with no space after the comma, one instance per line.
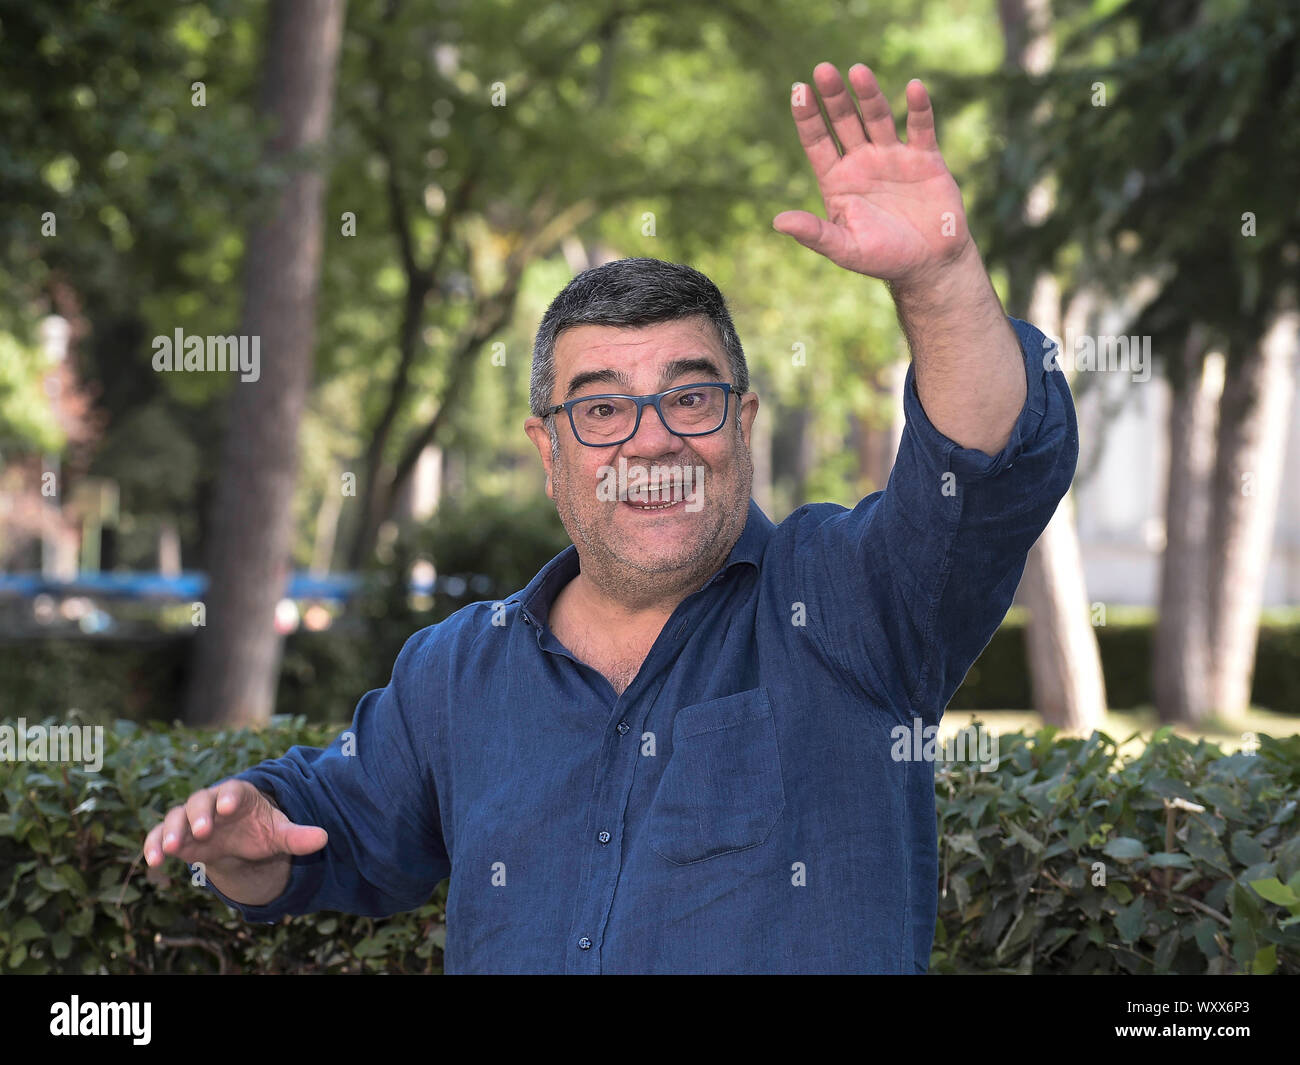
(631,292)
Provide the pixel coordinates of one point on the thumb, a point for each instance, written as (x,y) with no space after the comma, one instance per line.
(810,231)
(300,839)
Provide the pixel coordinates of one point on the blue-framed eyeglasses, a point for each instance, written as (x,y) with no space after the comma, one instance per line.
(685,410)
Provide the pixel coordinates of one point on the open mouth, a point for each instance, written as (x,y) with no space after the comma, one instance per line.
(664,497)
(652,506)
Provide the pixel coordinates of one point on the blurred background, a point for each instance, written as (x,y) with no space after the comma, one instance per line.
(389,196)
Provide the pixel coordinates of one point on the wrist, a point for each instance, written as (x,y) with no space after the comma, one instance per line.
(958,285)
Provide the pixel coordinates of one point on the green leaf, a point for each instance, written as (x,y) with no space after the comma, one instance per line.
(1120,890)
(1167,949)
(50,880)
(1024,838)
(961,888)
(1274,890)
(1223,800)
(1247,850)
(370,947)
(1284,813)
(1265,963)
(1167,859)
(81,921)
(1124,849)
(1206,848)
(25,929)
(73,879)
(1204,931)
(1130,921)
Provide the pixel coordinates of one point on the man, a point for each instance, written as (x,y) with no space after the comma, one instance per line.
(673,751)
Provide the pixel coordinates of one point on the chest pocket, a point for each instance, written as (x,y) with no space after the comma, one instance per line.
(721,790)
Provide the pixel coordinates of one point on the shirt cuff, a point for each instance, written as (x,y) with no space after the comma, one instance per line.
(971,463)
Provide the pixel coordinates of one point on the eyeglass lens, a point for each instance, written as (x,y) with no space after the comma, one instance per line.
(700,409)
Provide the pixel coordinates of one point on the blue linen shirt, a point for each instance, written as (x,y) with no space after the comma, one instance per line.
(737,809)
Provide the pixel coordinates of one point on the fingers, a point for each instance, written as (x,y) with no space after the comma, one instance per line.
(235,798)
(185,826)
(153,854)
(814,135)
(840,108)
(876,124)
(168,838)
(920,118)
(200,812)
(876,115)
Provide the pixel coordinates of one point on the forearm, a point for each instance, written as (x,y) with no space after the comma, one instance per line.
(970,374)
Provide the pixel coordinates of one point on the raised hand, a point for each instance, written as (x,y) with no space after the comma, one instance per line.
(893,210)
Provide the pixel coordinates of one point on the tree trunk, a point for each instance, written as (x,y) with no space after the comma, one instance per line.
(1180,661)
(1253,419)
(1064,661)
(1065,675)
(237,654)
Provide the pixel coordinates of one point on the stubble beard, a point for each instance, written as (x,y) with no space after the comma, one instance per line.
(612,564)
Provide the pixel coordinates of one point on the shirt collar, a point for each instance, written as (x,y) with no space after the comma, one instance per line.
(535,600)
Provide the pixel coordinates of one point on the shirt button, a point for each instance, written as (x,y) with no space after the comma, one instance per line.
(584,943)
(623,727)
(604,837)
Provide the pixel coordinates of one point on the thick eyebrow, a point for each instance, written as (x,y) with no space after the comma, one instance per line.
(695,366)
(592,377)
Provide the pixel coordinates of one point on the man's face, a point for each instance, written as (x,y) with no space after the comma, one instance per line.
(645,547)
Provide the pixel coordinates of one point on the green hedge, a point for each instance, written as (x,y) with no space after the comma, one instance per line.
(1215,891)
(76,896)
(1066,860)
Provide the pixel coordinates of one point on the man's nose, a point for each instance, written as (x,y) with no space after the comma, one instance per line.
(652,437)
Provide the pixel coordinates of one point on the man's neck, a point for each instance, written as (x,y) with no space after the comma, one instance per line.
(622,615)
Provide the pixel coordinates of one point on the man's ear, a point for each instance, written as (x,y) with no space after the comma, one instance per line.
(748,409)
(536,429)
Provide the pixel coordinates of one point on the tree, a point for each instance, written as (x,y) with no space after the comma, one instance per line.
(1064,661)
(1161,172)
(237,654)
(509,168)
(1181,652)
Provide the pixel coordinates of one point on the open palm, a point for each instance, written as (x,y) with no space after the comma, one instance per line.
(893,210)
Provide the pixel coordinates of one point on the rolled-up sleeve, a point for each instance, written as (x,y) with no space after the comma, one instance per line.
(371,790)
(923,573)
